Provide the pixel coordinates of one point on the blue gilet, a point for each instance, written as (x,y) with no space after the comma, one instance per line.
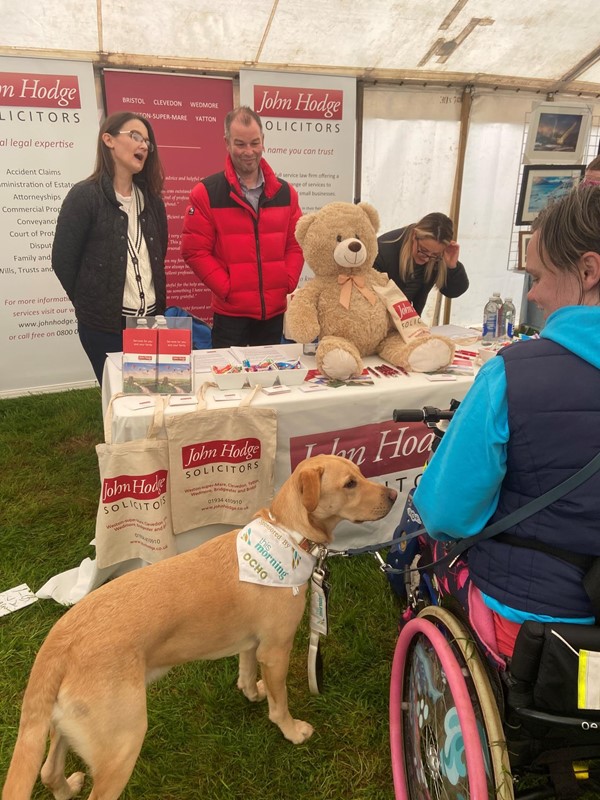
(554,423)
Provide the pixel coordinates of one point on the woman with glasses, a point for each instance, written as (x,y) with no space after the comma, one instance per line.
(111,237)
(422,255)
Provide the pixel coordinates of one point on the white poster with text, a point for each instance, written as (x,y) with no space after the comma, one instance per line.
(309,124)
(48,132)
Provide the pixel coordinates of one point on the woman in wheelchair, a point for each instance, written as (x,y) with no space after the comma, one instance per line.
(531,593)
(530,420)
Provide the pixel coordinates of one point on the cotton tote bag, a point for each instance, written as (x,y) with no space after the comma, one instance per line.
(222,463)
(134,512)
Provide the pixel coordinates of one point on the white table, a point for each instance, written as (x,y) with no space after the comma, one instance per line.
(351,421)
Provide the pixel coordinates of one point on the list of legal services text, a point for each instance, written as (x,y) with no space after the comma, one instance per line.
(30,200)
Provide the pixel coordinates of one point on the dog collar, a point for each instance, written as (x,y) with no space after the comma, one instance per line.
(310,547)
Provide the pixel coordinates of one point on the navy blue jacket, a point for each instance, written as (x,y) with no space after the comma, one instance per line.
(553,411)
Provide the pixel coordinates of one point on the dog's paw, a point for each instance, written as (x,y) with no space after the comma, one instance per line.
(75,781)
(255,693)
(299,731)
(261,690)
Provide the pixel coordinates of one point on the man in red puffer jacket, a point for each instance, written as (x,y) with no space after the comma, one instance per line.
(238,237)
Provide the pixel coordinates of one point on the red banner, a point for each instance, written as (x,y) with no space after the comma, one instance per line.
(299,103)
(187,114)
(236,451)
(140,487)
(39,90)
(378,448)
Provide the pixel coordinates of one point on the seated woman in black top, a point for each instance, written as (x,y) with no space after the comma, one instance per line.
(422,255)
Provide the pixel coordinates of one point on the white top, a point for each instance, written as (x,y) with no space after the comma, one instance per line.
(139,298)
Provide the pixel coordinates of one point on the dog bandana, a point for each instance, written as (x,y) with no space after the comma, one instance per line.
(268,555)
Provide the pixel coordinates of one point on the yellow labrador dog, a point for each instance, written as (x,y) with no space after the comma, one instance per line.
(98,658)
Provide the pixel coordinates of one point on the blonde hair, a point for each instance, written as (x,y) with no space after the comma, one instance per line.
(435,226)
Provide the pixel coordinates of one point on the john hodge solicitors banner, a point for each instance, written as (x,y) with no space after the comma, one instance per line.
(309,122)
(187,114)
(48,132)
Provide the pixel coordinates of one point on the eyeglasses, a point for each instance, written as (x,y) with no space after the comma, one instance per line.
(426,253)
(137,137)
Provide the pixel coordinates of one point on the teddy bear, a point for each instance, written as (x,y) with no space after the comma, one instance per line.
(343,306)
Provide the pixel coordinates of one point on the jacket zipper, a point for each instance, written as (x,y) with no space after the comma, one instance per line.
(242,200)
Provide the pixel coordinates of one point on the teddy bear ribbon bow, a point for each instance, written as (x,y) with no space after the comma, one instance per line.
(346,282)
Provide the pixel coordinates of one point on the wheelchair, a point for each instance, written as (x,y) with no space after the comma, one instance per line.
(465,722)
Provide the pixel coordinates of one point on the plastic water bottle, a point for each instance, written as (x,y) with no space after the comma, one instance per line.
(160,321)
(498,301)
(142,322)
(490,320)
(507,329)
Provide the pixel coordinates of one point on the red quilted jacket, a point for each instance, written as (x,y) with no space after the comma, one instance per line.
(249,260)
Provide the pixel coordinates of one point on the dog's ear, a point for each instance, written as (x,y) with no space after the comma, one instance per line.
(309,482)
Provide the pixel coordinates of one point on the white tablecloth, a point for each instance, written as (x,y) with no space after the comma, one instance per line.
(351,421)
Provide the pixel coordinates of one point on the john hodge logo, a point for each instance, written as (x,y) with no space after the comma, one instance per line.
(138,487)
(380,448)
(404,309)
(233,452)
(37,91)
(287,101)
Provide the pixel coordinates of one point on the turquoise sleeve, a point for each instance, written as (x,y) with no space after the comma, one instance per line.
(459,489)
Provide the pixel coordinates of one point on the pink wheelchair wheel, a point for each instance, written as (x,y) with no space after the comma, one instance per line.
(435,739)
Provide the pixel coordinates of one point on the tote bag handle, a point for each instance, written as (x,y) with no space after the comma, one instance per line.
(155,425)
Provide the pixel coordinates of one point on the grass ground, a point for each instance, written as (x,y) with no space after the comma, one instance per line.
(204,739)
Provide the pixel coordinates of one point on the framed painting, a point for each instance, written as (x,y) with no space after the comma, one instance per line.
(542,184)
(524,239)
(557,134)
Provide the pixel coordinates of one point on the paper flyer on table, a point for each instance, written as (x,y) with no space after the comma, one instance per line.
(456,333)
(204,360)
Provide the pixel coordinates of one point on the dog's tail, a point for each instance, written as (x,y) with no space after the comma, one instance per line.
(38,702)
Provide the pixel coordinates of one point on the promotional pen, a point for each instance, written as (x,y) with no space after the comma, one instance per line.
(470,353)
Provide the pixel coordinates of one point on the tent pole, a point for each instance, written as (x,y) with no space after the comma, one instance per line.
(360,96)
(465,113)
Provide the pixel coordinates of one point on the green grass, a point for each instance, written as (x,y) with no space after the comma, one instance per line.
(205,740)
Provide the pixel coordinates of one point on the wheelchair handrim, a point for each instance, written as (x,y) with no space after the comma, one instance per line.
(418,629)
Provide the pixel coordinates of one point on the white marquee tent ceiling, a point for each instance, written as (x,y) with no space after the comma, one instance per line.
(546,45)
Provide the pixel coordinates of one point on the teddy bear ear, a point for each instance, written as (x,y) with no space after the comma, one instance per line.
(303,225)
(372,214)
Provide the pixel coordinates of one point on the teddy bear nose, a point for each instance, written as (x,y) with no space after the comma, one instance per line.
(354,247)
